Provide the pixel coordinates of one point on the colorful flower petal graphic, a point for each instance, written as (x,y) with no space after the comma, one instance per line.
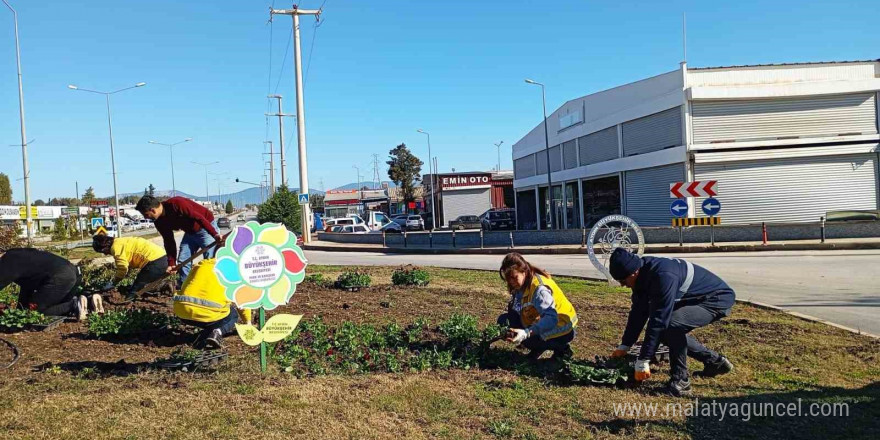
(227,270)
(275,235)
(243,238)
(278,292)
(293,262)
(245,295)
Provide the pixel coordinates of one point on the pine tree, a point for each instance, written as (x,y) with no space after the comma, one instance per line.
(229,208)
(5,190)
(404,168)
(283,207)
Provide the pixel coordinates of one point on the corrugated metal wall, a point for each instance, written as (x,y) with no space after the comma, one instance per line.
(569,154)
(647,193)
(797,189)
(541,160)
(653,132)
(599,146)
(524,167)
(465,202)
(715,121)
(555,158)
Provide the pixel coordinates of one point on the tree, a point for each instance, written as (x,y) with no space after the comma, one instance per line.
(39,202)
(151,190)
(282,207)
(88,196)
(60,231)
(229,208)
(316,201)
(404,169)
(5,190)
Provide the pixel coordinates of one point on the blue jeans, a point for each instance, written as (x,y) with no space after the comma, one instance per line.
(534,343)
(687,317)
(226,325)
(189,245)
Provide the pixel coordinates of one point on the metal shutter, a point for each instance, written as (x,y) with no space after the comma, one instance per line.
(541,159)
(569,154)
(653,132)
(524,167)
(647,193)
(465,202)
(599,146)
(556,158)
(799,189)
(717,121)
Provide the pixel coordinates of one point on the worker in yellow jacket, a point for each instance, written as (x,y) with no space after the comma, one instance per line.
(201,302)
(132,253)
(539,315)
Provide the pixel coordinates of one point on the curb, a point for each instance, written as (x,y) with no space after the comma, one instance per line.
(688,249)
(806,317)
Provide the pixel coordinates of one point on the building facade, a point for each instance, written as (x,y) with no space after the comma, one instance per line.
(341,203)
(786,143)
(468,193)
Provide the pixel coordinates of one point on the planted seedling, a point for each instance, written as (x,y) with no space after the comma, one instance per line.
(410,275)
(128,322)
(19,319)
(353,280)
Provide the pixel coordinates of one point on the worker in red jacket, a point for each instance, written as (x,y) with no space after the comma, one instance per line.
(181,214)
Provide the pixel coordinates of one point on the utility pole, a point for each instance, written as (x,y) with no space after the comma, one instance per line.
(206,165)
(24,157)
(376,179)
(498,167)
(271,168)
(300,111)
(360,194)
(431,173)
(281,116)
(547,150)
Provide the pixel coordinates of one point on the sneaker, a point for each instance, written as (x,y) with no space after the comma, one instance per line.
(80,307)
(723,366)
(679,388)
(214,341)
(96,304)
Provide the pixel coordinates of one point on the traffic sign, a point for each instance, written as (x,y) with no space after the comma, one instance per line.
(304,199)
(706,188)
(679,208)
(711,206)
(73,210)
(699,221)
(97,222)
(101,231)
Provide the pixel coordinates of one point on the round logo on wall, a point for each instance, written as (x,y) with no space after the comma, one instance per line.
(610,233)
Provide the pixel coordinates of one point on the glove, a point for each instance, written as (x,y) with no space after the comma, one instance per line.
(643,370)
(108,286)
(519,335)
(620,351)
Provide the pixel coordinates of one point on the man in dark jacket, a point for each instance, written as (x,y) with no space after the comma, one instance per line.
(181,214)
(673,297)
(47,282)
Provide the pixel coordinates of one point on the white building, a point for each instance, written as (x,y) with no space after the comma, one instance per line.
(786,142)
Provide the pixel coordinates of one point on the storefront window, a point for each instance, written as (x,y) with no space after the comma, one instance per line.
(558,211)
(525,210)
(601,198)
(572,207)
(544,213)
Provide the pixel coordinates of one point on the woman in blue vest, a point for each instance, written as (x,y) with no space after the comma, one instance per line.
(673,297)
(539,315)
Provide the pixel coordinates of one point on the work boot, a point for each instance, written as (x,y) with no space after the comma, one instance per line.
(722,366)
(679,387)
(96,304)
(214,341)
(563,355)
(534,355)
(80,307)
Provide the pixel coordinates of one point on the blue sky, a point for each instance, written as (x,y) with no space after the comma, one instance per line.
(378,71)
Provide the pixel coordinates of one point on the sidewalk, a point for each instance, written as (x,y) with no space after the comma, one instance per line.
(664,248)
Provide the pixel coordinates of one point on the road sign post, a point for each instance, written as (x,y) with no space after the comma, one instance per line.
(679,209)
(304,199)
(711,207)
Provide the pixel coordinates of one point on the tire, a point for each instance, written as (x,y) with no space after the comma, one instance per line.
(461,227)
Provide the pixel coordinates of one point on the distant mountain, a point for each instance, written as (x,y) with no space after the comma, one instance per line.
(354,185)
(240,198)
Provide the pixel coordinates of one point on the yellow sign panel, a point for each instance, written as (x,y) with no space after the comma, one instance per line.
(22,212)
(101,231)
(702,221)
(277,328)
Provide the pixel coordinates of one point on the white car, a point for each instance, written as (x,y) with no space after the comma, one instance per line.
(354,229)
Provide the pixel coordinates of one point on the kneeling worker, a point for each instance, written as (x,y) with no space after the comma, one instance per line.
(201,302)
(539,315)
(673,297)
(48,283)
(132,253)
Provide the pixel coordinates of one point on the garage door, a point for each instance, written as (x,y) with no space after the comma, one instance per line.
(465,202)
(800,189)
(647,193)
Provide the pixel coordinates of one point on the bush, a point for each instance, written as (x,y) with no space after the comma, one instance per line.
(9,295)
(410,276)
(9,238)
(17,319)
(128,322)
(353,279)
(318,280)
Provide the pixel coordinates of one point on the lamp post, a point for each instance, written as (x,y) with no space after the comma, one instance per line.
(498,145)
(358,169)
(547,149)
(24,158)
(112,153)
(171,150)
(271,167)
(258,185)
(431,173)
(218,180)
(206,165)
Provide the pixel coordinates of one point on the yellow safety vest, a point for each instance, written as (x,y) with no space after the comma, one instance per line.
(567,318)
(202,298)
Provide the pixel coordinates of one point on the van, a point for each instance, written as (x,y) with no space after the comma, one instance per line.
(375,220)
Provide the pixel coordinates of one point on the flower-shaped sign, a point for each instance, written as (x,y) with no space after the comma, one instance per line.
(260,265)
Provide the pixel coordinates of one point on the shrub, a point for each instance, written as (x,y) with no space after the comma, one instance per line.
(128,322)
(353,279)
(318,280)
(9,295)
(410,276)
(460,329)
(17,319)
(9,238)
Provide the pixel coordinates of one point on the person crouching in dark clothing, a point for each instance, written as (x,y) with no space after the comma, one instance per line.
(48,283)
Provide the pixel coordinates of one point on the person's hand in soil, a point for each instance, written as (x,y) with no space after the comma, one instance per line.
(643,370)
(517,335)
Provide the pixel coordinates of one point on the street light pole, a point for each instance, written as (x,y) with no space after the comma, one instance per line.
(271,167)
(171,150)
(547,149)
(206,165)
(24,158)
(281,116)
(498,167)
(112,152)
(431,172)
(360,195)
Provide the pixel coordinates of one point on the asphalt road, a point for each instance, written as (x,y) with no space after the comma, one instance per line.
(837,286)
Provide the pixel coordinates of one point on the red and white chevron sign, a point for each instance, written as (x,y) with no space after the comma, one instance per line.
(681,190)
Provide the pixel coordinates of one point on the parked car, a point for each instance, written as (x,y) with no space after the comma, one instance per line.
(465,222)
(223,222)
(498,219)
(400,219)
(353,229)
(414,223)
(390,228)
